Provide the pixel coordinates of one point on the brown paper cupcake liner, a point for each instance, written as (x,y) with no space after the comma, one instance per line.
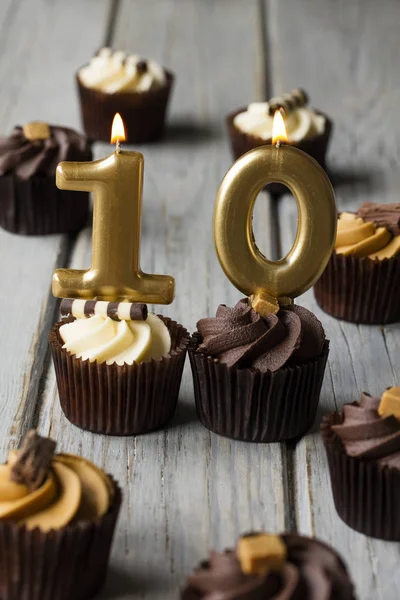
(366,495)
(119,399)
(37,207)
(243,142)
(360,290)
(143,113)
(63,564)
(245,404)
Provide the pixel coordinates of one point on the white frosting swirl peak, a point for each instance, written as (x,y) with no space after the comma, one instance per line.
(101,339)
(114,72)
(300,123)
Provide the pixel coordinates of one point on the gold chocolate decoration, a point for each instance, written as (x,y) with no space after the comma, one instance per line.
(115,274)
(390,403)
(260,553)
(243,263)
(36,130)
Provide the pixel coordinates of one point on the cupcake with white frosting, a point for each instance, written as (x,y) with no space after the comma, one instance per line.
(57,518)
(137,88)
(118,367)
(306,128)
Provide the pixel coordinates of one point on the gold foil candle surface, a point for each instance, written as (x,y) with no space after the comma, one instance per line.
(115,274)
(243,263)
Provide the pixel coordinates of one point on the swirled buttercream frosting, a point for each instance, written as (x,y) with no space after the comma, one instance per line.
(72,488)
(300,123)
(365,434)
(101,339)
(116,72)
(311,571)
(26,157)
(371,235)
(240,336)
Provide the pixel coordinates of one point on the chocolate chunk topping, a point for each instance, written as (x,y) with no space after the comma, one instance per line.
(142,67)
(383,215)
(33,460)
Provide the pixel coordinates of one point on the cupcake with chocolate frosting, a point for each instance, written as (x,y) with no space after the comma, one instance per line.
(118,367)
(275,567)
(57,518)
(363,448)
(307,129)
(31,204)
(258,378)
(137,88)
(361,282)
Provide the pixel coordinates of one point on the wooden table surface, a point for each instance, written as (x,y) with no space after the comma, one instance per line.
(187,490)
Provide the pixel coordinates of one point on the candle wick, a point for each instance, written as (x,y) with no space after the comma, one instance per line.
(278,143)
(117,147)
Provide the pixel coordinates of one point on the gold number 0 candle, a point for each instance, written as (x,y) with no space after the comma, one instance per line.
(274,282)
(117,183)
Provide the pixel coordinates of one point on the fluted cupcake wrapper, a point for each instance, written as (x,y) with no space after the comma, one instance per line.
(120,399)
(366,495)
(245,404)
(360,290)
(62,564)
(241,143)
(143,113)
(37,207)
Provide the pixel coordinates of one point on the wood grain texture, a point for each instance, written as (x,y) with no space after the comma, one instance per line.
(345,58)
(36,69)
(186,490)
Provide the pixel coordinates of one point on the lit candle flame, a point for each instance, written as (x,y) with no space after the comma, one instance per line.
(118,130)
(278,128)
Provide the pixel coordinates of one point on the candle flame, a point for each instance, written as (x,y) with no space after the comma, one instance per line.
(118,130)
(278,128)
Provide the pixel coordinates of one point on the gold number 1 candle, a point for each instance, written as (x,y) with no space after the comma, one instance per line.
(115,274)
(274,282)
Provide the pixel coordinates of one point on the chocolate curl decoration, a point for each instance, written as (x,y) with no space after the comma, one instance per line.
(118,311)
(288,102)
(33,460)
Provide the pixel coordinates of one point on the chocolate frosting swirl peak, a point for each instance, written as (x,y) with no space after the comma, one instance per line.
(240,336)
(312,571)
(364,434)
(27,157)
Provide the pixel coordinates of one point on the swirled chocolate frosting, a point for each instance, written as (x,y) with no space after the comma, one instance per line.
(312,571)
(27,157)
(382,215)
(240,336)
(365,434)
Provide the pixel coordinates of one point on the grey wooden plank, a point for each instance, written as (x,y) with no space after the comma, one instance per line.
(185,489)
(38,54)
(345,53)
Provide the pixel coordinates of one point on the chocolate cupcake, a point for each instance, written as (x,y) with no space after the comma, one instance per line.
(307,129)
(31,204)
(118,367)
(57,518)
(258,378)
(137,88)
(287,567)
(361,282)
(363,448)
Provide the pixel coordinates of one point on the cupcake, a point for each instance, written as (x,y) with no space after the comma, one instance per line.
(137,88)
(258,378)
(31,204)
(363,447)
(118,367)
(57,518)
(361,282)
(307,129)
(287,567)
